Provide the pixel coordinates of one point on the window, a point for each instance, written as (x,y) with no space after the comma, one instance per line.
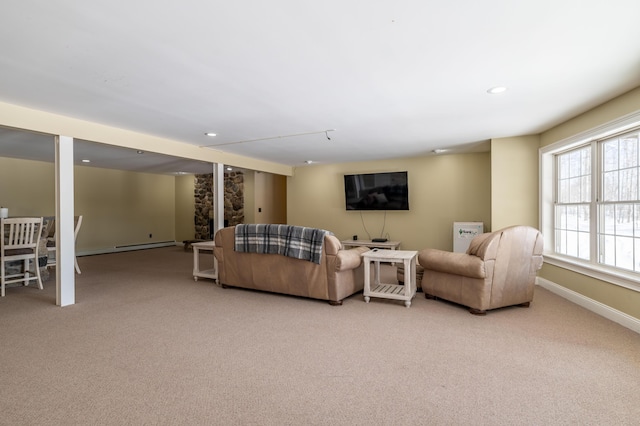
(590,202)
(573,203)
(619,210)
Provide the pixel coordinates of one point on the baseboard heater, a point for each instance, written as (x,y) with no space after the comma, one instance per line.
(128,247)
(147,245)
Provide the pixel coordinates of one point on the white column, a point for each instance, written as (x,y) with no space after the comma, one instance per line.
(65,241)
(218,197)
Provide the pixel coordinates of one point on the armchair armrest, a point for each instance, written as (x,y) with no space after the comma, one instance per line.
(349,258)
(452,263)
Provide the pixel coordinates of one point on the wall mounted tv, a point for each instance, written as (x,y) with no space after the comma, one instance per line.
(377,191)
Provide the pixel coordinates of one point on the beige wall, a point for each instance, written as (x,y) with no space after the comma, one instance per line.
(122,208)
(615,296)
(270,198)
(185,207)
(27,188)
(442,189)
(605,113)
(119,208)
(514,181)
(249,196)
(622,299)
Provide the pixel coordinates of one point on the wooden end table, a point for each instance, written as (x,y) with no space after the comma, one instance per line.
(388,245)
(376,288)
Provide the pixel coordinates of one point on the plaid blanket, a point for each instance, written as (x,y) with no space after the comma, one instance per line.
(298,242)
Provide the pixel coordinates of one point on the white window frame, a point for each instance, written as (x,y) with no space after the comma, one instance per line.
(547,183)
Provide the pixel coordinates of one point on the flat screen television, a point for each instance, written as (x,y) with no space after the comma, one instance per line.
(377,191)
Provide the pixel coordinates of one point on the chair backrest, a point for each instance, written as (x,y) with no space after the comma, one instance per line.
(51,221)
(518,255)
(20,233)
(510,241)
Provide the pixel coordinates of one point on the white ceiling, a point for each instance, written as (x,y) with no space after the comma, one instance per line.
(394,78)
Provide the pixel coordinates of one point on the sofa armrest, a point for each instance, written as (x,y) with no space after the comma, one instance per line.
(349,258)
(452,263)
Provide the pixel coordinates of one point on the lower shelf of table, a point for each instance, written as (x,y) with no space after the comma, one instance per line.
(389,291)
(209,273)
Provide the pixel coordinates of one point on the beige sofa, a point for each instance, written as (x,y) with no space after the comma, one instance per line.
(339,274)
(498,269)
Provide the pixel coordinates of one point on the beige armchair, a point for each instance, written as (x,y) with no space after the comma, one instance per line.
(498,269)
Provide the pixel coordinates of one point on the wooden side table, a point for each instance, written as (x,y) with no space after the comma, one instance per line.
(208,273)
(376,288)
(387,245)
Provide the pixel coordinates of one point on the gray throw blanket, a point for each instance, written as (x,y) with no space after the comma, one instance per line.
(298,242)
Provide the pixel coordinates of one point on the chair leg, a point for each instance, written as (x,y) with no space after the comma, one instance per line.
(36,265)
(525,304)
(478,312)
(26,273)
(77,267)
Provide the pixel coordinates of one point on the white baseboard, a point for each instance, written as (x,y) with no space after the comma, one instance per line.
(601,309)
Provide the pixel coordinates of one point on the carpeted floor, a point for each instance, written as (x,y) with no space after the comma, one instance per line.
(147,345)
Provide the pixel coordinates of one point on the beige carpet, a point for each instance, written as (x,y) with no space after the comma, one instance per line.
(146,344)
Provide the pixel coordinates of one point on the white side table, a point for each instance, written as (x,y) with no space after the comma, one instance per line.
(376,288)
(208,273)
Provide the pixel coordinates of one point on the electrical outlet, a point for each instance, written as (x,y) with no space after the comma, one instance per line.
(150,235)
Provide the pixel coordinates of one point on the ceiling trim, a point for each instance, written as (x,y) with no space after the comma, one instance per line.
(54,124)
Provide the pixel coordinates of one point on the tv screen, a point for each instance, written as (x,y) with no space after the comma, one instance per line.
(377,191)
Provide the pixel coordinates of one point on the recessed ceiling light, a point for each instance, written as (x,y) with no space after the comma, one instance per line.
(229,169)
(210,134)
(308,161)
(86,161)
(140,152)
(439,151)
(496,90)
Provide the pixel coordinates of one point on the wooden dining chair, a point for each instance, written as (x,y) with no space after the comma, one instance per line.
(19,240)
(51,244)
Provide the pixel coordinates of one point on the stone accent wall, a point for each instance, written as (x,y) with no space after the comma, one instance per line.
(203,195)
(233,202)
(234,198)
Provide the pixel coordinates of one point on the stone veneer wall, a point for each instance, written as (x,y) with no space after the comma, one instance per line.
(233,202)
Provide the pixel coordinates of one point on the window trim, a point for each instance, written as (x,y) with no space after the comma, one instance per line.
(547,181)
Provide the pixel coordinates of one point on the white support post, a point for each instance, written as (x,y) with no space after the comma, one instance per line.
(218,197)
(65,241)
